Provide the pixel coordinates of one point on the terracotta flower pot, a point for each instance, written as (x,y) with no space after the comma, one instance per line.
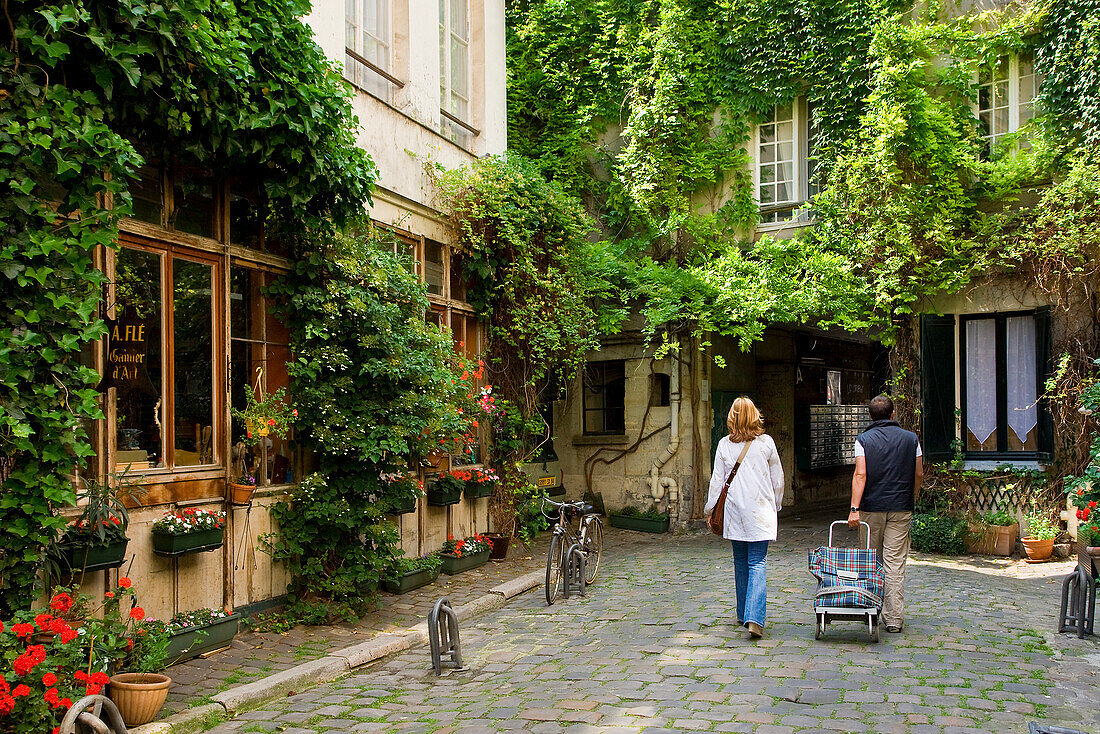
(241,494)
(1038,550)
(139,696)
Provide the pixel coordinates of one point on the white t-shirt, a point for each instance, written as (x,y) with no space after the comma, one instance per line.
(860,452)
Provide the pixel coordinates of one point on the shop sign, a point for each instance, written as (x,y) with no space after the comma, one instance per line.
(127,355)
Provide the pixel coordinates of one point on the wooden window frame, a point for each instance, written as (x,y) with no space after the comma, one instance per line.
(603,410)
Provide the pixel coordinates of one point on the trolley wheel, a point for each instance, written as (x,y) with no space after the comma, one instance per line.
(819,628)
(875,625)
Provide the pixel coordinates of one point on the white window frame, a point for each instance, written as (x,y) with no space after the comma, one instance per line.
(447,35)
(363,77)
(1014,102)
(800,165)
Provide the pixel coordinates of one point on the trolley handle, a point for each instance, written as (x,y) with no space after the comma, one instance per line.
(845,524)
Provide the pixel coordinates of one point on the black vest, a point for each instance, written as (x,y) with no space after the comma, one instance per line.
(891,453)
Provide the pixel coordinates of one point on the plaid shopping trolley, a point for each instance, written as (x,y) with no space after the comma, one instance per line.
(849,583)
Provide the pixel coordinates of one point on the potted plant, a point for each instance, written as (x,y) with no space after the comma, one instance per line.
(406,574)
(993,533)
(140,691)
(1039,541)
(96,539)
(479,483)
(445,490)
(179,532)
(401,491)
(241,487)
(270,415)
(463,555)
(198,631)
(647,521)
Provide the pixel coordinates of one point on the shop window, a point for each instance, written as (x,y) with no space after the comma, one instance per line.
(259,355)
(245,219)
(160,360)
(604,398)
(193,205)
(434,267)
(659,390)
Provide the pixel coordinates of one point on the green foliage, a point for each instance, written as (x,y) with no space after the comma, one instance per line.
(376,386)
(1068,55)
(401,565)
(91,91)
(650,514)
(1040,527)
(938,534)
(997,517)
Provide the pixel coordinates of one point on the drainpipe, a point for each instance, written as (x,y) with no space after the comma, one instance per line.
(658,485)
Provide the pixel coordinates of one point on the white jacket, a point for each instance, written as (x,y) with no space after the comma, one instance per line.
(755,494)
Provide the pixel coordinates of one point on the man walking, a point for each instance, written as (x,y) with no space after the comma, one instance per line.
(885,486)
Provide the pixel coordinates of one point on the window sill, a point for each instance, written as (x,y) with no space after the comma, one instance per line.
(997,464)
(615,439)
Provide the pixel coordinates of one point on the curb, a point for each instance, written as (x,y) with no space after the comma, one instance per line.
(324,670)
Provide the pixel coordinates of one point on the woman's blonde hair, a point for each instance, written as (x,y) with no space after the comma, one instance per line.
(744,421)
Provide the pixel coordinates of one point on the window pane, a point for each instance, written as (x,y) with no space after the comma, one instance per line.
(981,385)
(193,360)
(767,133)
(194,207)
(1023,412)
(278,449)
(767,194)
(786,152)
(767,174)
(433,267)
(783,192)
(784,112)
(784,172)
(784,131)
(459,82)
(147,195)
(244,297)
(245,221)
(459,25)
(134,365)
(458,285)
(767,153)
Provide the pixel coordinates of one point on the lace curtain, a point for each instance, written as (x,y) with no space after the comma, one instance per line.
(1023,414)
(981,378)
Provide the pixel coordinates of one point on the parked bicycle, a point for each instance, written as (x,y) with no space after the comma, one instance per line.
(587,535)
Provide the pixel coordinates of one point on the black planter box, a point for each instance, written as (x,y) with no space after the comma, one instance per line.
(81,558)
(411,580)
(453,565)
(475,490)
(194,641)
(166,544)
(403,508)
(639,523)
(443,497)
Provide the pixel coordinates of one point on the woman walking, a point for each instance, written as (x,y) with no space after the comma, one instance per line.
(755,496)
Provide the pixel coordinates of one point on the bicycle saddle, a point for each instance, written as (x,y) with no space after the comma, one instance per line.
(583,509)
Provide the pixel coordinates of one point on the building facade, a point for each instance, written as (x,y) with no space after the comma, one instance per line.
(191,329)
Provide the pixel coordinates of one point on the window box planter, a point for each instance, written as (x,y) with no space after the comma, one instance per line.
(475,490)
(166,544)
(641,524)
(83,558)
(406,506)
(441,497)
(194,641)
(465,562)
(991,540)
(411,580)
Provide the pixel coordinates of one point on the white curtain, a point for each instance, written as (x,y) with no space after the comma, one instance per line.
(1023,414)
(981,377)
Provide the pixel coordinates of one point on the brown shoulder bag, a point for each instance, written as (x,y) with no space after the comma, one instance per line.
(717,519)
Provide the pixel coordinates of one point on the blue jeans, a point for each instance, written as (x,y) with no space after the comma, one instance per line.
(751,576)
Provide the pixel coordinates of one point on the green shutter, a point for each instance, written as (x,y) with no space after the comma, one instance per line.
(1044,366)
(937,365)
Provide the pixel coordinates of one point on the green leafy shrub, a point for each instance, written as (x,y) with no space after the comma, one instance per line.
(938,534)
(997,517)
(650,514)
(1040,527)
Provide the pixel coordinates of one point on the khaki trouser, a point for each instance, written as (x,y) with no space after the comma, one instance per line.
(890,536)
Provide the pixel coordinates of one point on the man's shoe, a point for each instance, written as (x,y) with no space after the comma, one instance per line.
(893,628)
(755,630)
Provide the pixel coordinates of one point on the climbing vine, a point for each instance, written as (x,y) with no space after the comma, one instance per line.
(89,92)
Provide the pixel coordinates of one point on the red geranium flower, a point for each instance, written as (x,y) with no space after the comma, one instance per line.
(43,621)
(110,595)
(61,603)
(20,690)
(124,582)
(22,629)
(137,613)
(49,680)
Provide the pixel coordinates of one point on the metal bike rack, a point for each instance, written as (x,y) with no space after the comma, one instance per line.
(93,715)
(574,571)
(1078,603)
(443,636)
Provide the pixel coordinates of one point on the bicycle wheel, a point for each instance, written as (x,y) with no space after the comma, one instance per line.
(592,544)
(554,568)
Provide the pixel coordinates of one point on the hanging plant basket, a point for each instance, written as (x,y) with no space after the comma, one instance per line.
(477,490)
(83,558)
(167,544)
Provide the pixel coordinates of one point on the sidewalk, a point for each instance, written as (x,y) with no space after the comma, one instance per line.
(261,665)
